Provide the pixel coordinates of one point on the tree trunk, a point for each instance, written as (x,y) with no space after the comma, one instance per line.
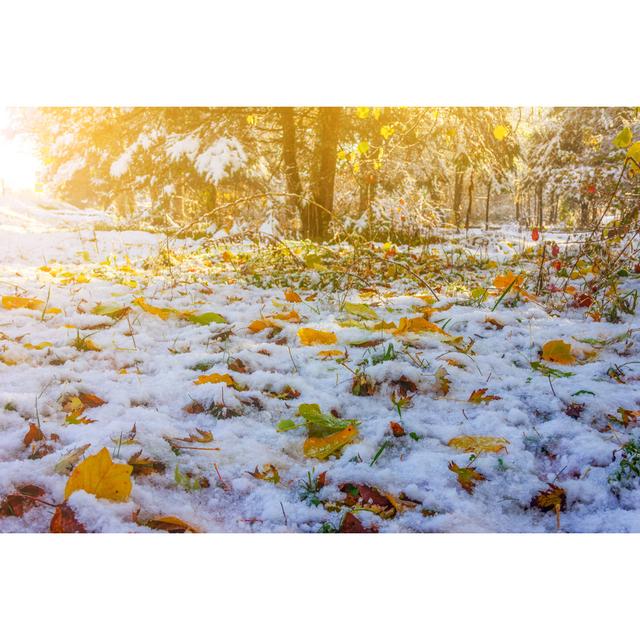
(457,196)
(290,157)
(539,205)
(470,203)
(317,215)
(486,210)
(584,213)
(518,212)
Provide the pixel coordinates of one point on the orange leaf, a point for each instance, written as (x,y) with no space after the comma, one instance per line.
(322,448)
(505,280)
(310,337)
(417,325)
(479,396)
(292,296)
(170,524)
(64,521)
(467,477)
(33,434)
(214,378)
(558,351)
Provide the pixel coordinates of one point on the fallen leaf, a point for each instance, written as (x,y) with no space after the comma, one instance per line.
(269,473)
(66,464)
(215,378)
(351,524)
(479,396)
(323,447)
(417,325)
(397,429)
(479,444)
(142,466)
(558,351)
(18,302)
(64,521)
(102,477)
(292,296)
(34,434)
(360,310)
(310,337)
(171,524)
(467,477)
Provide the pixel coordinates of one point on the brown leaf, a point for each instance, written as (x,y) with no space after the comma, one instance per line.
(64,521)
(479,396)
(34,434)
(397,429)
(351,524)
(467,477)
(170,524)
(269,473)
(145,466)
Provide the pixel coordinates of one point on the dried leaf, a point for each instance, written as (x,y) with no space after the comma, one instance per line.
(351,524)
(269,473)
(66,464)
(467,477)
(292,296)
(34,434)
(171,524)
(479,396)
(361,310)
(215,378)
(145,466)
(64,521)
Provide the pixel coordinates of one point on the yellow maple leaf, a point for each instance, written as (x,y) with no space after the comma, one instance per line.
(478,444)
(102,477)
(322,448)
(162,313)
(290,316)
(310,337)
(330,353)
(417,325)
(214,378)
(558,351)
(18,302)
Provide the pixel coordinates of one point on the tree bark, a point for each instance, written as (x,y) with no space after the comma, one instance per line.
(457,196)
(290,156)
(486,210)
(317,215)
(470,203)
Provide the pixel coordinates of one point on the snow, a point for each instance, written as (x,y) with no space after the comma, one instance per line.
(222,158)
(146,371)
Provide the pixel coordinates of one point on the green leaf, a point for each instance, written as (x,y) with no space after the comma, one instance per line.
(361,310)
(623,139)
(549,371)
(583,392)
(287,425)
(207,318)
(322,424)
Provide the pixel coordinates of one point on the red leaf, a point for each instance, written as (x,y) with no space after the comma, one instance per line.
(397,429)
(351,524)
(64,521)
(535,234)
(33,434)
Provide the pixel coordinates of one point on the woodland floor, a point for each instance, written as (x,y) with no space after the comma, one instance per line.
(195,354)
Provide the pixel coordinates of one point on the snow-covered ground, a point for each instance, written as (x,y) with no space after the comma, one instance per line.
(147,365)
